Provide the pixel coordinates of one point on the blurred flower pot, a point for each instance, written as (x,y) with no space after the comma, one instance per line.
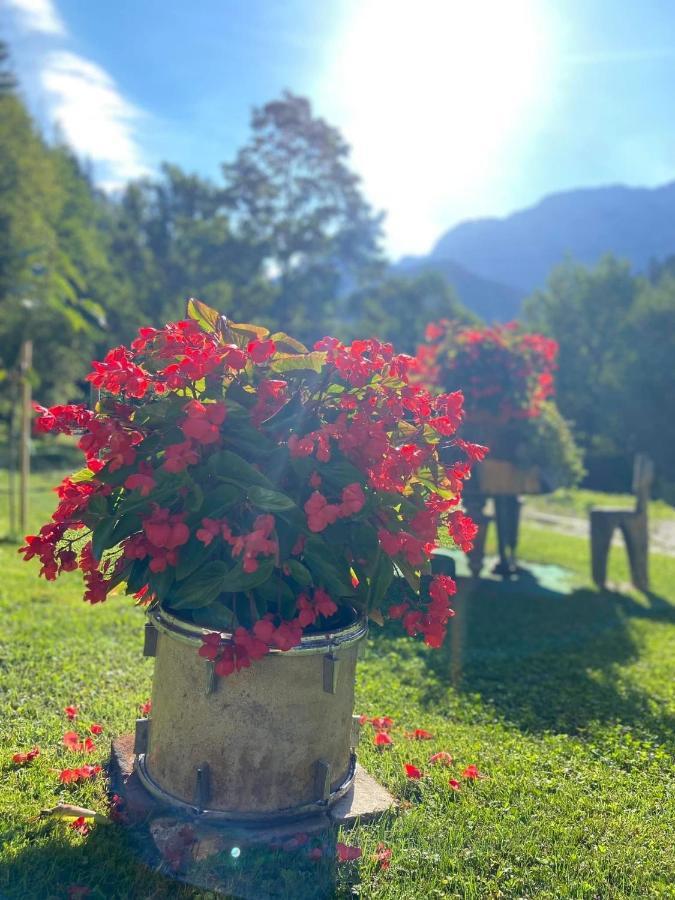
(497,476)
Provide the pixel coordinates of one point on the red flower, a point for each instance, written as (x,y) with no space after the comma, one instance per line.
(88,745)
(382,739)
(412,771)
(146,708)
(346,853)
(260,351)
(210,645)
(454,784)
(203,421)
(382,856)
(95,728)
(81,826)
(71,712)
(442,758)
(472,773)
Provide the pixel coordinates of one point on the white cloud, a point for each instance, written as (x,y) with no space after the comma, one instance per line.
(94,117)
(39,16)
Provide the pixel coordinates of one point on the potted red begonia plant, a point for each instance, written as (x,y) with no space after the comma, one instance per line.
(259,498)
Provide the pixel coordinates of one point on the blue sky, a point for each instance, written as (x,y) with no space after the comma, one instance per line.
(454,108)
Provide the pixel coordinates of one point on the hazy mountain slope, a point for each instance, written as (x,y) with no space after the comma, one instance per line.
(488,299)
(519,250)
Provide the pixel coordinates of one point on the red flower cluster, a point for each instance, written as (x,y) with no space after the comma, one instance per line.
(236,472)
(503,373)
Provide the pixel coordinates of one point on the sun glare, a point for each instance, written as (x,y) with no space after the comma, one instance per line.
(430,93)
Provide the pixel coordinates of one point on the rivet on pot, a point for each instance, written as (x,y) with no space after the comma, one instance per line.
(202,787)
(330,673)
(150,640)
(141,736)
(211,680)
(322,779)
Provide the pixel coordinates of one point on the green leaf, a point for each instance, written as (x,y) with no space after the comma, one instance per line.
(270,501)
(161,582)
(215,616)
(232,467)
(126,525)
(380,580)
(257,332)
(202,588)
(325,572)
(206,318)
(138,577)
(102,537)
(283,340)
(292,362)
(219,499)
(299,573)
(237,580)
(192,556)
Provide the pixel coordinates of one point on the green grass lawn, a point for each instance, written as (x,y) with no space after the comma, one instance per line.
(578,502)
(566,703)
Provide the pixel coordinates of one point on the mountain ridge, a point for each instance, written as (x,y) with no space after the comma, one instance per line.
(514,254)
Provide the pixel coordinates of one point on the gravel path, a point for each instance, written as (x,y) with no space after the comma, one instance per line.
(661,534)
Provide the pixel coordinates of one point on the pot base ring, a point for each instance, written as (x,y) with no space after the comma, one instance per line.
(243,818)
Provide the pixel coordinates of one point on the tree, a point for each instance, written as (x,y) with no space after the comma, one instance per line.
(588,312)
(398,309)
(294,199)
(7,79)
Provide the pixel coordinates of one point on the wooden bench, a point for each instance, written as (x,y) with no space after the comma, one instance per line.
(633,525)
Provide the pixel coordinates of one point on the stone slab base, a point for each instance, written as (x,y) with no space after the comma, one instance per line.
(241,861)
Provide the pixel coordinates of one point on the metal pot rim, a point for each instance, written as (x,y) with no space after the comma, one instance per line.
(321,642)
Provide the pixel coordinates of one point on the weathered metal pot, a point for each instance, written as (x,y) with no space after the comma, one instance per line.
(275,741)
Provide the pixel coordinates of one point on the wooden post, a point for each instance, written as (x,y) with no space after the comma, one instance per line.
(24,439)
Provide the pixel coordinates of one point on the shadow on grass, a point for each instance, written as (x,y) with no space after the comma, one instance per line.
(548,661)
(120,862)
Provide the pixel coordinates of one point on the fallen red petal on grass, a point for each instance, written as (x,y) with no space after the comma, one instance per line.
(19,759)
(95,728)
(346,853)
(382,855)
(381,723)
(70,776)
(454,784)
(419,734)
(412,771)
(71,740)
(80,825)
(472,773)
(382,739)
(146,708)
(442,758)
(71,712)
